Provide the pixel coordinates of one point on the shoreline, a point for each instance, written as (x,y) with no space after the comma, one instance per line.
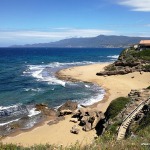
(63,75)
(114,86)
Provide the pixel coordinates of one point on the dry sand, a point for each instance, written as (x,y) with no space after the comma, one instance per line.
(115,86)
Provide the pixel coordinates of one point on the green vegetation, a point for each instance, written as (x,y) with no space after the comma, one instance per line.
(116,106)
(132,59)
(132,54)
(144,55)
(110,67)
(147,67)
(105,142)
(144,122)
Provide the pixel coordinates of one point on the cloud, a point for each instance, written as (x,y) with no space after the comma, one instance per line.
(60,33)
(137,5)
(31,36)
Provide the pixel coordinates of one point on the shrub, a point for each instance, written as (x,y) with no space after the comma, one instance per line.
(110,68)
(145,55)
(146,67)
(116,106)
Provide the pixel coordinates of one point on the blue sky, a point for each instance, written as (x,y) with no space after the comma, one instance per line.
(38,21)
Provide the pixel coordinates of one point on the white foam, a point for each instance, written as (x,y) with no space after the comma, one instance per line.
(94,99)
(33,89)
(114,56)
(8,107)
(33,112)
(58,64)
(39,71)
(2,124)
(87,86)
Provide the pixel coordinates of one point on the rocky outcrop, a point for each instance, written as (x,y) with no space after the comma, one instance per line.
(67,108)
(130,60)
(74,130)
(46,110)
(88,118)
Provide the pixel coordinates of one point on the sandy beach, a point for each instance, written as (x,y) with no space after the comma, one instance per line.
(115,86)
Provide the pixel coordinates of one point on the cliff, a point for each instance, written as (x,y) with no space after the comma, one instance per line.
(130,60)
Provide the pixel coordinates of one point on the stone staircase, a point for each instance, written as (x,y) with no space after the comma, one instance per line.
(129,118)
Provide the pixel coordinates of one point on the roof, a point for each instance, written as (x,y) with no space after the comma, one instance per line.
(145,42)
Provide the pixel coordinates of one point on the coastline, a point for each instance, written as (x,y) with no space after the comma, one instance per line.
(115,86)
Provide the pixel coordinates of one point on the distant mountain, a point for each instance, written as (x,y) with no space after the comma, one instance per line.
(100,41)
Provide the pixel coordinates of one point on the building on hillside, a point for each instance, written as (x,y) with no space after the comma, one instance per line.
(144,45)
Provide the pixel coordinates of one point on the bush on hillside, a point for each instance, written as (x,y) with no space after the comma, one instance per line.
(116,106)
(144,122)
(145,55)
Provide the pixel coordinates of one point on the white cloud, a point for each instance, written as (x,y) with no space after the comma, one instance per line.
(28,37)
(59,34)
(137,5)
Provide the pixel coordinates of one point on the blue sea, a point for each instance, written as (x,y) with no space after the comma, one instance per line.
(27,77)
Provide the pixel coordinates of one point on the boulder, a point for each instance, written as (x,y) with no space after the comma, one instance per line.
(53,122)
(69,105)
(87,126)
(65,112)
(84,119)
(45,110)
(75,120)
(40,107)
(74,130)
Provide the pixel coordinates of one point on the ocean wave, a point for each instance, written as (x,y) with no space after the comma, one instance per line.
(12,110)
(13,113)
(46,73)
(43,73)
(113,56)
(58,64)
(33,112)
(33,89)
(8,122)
(93,99)
(8,107)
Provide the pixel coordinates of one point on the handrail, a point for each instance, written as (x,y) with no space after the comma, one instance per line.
(136,108)
(133,111)
(128,117)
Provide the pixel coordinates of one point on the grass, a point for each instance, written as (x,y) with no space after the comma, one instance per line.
(105,142)
(116,106)
(110,67)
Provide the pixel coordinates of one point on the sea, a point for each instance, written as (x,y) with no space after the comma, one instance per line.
(27,78)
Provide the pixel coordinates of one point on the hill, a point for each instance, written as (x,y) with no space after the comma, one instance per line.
(101,41)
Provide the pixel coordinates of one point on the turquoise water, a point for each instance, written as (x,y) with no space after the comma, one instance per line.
(27,77)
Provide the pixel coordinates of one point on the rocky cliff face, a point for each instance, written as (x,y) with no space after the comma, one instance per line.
(130,60)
